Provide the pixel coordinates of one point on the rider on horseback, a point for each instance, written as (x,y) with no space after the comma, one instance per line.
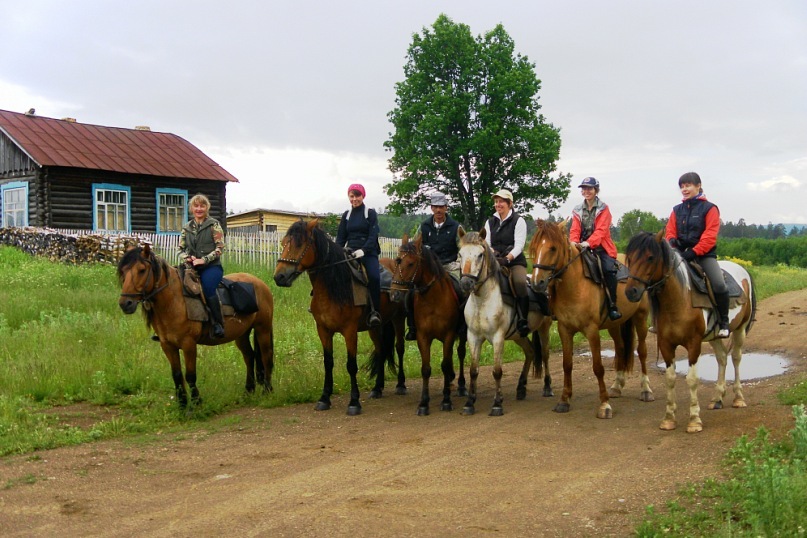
(692,229)
(591,228)
(441,234)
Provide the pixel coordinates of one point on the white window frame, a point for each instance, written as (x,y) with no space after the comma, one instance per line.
(182,212)
(126,206)
(4,191)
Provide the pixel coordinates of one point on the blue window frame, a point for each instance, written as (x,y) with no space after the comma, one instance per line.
(172,210)
(111,208)
(15,204)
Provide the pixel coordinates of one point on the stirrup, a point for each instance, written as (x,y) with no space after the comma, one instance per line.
(373,320)
(218,331)
(523,327)
(614,314)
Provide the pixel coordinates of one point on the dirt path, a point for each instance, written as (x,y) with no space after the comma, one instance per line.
(295,472)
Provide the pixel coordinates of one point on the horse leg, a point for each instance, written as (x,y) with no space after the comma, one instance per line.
(351,339)
(641,349)
(567,343)
(461,352)
(424,347)
(475,343)
(541,348)
(243,345)
(190,373)
(498,350)
(529,357)
(721,355)
(324,402)
(172,354)
(738,339)
(400,346)
(264,346)
(695,424)
(448,372)
(621,373)
(668,353)
(604,411)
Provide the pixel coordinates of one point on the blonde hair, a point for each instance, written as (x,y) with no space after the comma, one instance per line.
(199,199)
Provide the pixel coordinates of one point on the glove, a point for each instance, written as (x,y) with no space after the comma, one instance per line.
(358,253)
(582,245)
(504,262)
(689,255)
(674,242)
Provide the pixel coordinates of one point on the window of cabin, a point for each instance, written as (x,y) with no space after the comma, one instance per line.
(111,208)
(172,210)
(15,204)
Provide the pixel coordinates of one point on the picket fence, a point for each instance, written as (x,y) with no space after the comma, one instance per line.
(242,248)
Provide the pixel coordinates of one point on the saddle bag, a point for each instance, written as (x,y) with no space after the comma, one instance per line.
(242,296)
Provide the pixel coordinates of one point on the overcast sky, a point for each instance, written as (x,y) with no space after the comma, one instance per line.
(292,97)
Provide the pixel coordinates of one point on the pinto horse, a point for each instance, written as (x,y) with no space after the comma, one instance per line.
(437,310)
(148,280)
(307,248)
(657,269)
(578,304)
(489,318)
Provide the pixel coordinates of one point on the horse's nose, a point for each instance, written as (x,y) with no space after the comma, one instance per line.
(466,284)
(396,296)
(633,294)
(538,285)
(127,305)
(281,280)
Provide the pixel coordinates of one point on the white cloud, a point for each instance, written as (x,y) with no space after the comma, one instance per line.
(777,184)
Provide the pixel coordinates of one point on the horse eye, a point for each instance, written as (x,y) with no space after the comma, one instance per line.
(398,260)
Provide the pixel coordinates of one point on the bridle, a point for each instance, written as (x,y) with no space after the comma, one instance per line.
(554,272)
(477,278)
(314,268)
(410,284)
(653,288)
(145,298)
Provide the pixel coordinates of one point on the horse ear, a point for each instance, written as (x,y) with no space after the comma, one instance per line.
(312,224)
(564,224)
(146,249)
(405,239)
(482,233)
(461,232)
(660,235)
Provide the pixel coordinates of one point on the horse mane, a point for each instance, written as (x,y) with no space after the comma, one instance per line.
(158,267)
(335,275)
(429,258)
(553,233)
(648,243)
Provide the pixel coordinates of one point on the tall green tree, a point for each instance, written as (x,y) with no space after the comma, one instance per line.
(467,123)
(635,221)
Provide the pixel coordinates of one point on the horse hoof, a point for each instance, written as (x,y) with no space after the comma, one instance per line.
(446,406)
(462,392)
(548,393)
(561,408)
(614,393)
(715,405)
(467,411)
(521,394)
(667,425)
(695,427)
(423,411)
(739,403)
(647,396)
(401,391)
(375,394)
(322,406)
(353,410)
(605,413)
(496,411)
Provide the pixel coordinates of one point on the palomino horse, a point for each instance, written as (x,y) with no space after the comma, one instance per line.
(307,248)
(578,304)
(656,268)
(437,310)
(489,318)
(147,279)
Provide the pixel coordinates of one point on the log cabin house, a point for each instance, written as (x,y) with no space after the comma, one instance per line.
(59,173)
(267,220)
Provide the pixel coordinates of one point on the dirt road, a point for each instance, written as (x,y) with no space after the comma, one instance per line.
(388,472)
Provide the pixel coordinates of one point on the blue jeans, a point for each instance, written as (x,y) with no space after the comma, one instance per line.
(210,276)
(373,269)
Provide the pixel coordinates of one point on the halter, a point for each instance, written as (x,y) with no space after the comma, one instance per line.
(145,298)
(554,272)
(313,268)
(476,278)
(653,288)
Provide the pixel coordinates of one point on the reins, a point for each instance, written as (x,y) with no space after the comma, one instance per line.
(145,298)
(410,284)
(313,268)
(653,288)
(553,271)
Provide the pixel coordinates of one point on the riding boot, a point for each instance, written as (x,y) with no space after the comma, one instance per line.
(374,319)
(722,300)
(411,334)
(610,281)
(523,311)
(216,320)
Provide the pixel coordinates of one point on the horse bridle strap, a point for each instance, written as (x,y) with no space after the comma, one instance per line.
(476,278)
(145,298)
(653,287)
(554,272)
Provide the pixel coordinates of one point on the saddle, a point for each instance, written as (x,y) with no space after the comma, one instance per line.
(235,297)
(593,271)
(539,302)
(361,293)
(701,290)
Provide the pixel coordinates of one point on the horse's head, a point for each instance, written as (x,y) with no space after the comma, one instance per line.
(407,268)
(476,260)
(550,252)
(139,271)
(298,254)
(647,257)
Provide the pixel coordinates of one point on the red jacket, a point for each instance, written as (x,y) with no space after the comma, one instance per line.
(601,236)
(708,239)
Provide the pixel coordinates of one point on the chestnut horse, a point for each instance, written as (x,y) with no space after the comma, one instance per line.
(656,268)
(578,303)
(489,318)
(437,312)
(148,280)
(307,248)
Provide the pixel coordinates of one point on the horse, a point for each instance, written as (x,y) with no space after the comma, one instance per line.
(437,313)
(658,269)
(578,304)
(489,318)
(148,280)
(307,248)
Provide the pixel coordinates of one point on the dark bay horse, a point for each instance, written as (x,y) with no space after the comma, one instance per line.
(148,280)
(578,303)
(490,318)
(437,310)
(307,248)
(657,269)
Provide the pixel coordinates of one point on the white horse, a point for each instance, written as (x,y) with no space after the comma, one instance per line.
(489,318)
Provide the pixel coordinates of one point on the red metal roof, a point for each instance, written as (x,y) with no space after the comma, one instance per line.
(52,142)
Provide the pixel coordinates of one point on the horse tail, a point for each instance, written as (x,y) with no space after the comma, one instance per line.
(538,356)
(753,293)
(625,362)
(257,358)
(385,356)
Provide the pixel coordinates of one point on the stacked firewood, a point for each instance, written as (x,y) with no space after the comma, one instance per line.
(66,247)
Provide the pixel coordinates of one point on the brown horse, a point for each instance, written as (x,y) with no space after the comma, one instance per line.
(307,248)
(490,318)
(147,279)
(437,311)
(656,268)
(578,303)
